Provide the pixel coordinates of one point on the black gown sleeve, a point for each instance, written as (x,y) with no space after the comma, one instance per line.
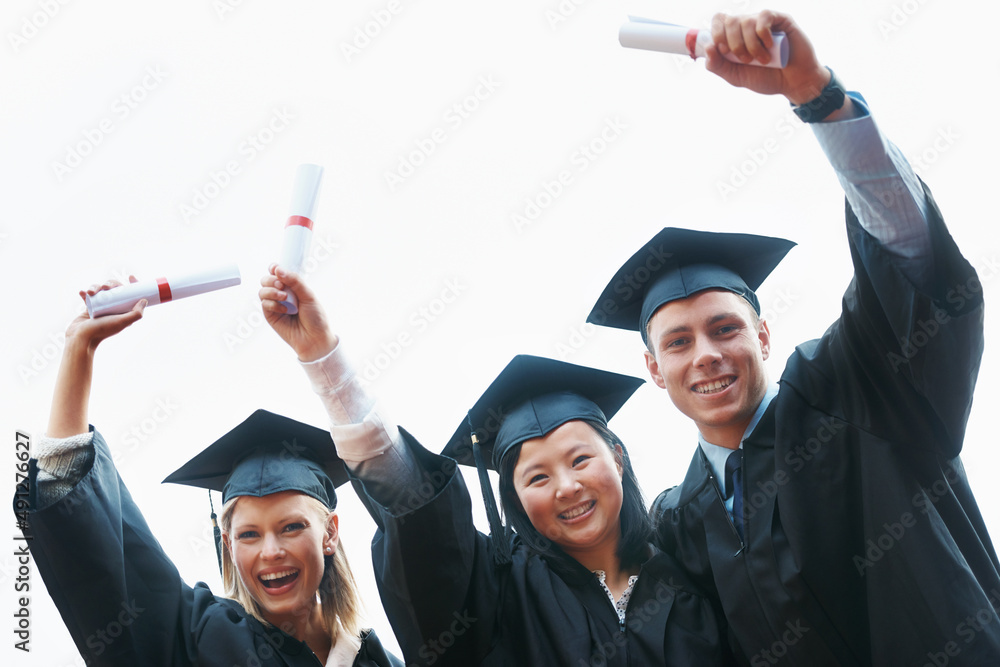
(122,599)
(435,569)
(902,361)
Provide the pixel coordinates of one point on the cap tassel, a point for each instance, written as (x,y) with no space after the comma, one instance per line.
(499,533)
(216,533)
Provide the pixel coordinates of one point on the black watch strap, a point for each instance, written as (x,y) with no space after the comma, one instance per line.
(829,100)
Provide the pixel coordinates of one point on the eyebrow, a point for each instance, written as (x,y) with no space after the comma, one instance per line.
(299,517)
(679,329)
(724,316)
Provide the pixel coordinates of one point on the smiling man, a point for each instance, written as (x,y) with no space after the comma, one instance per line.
(829,514)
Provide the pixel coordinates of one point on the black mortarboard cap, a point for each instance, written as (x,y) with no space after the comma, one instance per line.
(677,263)
(531,397)
(266,454)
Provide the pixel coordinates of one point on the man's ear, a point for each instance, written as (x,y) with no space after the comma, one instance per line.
(764,336)
(654,370)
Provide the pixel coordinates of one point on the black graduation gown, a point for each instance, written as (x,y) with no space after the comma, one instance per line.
(123,600)
(864,544)
(449,604)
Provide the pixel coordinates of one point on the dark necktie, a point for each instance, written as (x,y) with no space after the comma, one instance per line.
(734,487)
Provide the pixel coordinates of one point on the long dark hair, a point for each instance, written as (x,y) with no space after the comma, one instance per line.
(636,527)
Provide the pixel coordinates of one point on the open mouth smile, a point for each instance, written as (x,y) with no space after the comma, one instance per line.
(276,580)
(577,511)
(713,386)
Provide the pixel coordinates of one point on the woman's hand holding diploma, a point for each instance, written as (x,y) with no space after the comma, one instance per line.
(307,332)
(94,330)
(70,400)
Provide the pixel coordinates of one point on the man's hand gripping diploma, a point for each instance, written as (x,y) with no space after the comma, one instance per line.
(749,38)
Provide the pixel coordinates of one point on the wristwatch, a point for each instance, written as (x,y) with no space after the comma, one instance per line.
(829,100)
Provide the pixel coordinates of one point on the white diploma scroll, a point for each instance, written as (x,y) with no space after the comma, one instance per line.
(298,229)
(640,33)
(123,299)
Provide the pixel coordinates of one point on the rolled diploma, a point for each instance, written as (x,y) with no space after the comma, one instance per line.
(640,33)
(298,229)
(122,299)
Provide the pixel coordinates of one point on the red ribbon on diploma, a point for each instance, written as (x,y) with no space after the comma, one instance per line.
(301,221)
(164,287)
(690,41)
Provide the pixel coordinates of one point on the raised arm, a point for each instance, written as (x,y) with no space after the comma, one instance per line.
(101,564)
(911,330)
(881,188)
(71,397)
(428,557)
(368,442)
(66,451)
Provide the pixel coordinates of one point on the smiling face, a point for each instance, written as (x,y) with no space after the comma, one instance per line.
(278,543)
(708,352)
(569,483)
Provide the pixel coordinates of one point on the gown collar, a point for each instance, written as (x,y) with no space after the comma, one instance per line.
(716,455)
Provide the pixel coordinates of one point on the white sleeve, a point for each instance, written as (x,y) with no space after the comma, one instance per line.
(369,443)
(359,429)
(881,187)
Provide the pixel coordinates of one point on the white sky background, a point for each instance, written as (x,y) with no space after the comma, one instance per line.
(192,369)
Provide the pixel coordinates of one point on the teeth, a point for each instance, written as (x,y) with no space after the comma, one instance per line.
(277,575)
(709,387)
(572,514)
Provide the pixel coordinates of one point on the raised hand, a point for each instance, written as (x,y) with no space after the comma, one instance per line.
(71,397)
(749,37)
(307,332)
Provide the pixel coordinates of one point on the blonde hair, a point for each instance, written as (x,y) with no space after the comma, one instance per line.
(338,592)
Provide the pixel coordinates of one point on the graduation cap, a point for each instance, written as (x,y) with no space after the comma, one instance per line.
(677,263)
(531,397)
(266,454)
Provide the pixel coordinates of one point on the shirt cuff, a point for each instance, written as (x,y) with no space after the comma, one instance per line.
(61,464)
(359,428)
(56,456)
(880,185)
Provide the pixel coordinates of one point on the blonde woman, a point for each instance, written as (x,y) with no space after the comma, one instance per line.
(291,597)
